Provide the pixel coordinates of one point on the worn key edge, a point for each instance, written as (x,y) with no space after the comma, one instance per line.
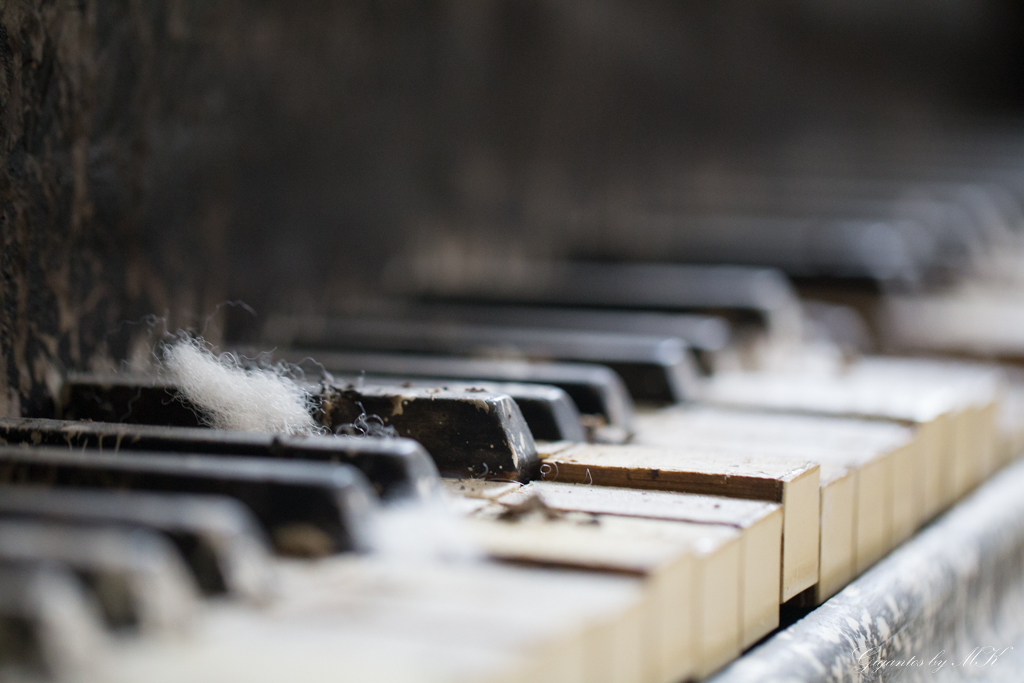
(791,481)
(465,432)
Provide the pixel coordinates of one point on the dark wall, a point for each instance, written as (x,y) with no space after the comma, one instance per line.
(161,157)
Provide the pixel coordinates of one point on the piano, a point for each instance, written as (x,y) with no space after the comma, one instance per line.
(503,341)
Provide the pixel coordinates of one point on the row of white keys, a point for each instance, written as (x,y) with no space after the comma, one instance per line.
(870,493)
(883,477)
(789,481)
(954,416)
(365,619)
(710,565)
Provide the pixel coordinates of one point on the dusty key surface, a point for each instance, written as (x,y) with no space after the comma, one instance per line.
(595,389)
(718,568)
(549,412)
(760,525)
(691,576)
(792,482)
(466,432)
(246,647)
(479,488)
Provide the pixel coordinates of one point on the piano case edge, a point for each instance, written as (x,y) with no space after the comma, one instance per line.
(951,596)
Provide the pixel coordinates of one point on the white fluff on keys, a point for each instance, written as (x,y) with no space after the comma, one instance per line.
(235,397)
(268,400)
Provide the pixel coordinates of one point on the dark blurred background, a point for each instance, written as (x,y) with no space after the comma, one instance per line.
(162,157)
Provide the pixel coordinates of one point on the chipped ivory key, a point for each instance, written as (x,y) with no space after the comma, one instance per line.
(792,482)
(759,523)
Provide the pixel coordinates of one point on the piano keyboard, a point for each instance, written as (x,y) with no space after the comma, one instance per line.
(630,342)
(591,539)
(619,472)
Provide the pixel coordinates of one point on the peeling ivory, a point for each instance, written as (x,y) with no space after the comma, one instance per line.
(237,398)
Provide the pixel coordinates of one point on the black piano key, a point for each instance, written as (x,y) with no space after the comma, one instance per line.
(49,626)
(742,294)
(468,433)
(128,399)
(702,333)
(654,368)
(595,389)
(217,536)
(398,469)
(972,205)
(306,508)
(809,235)
(549,412)
(137,576)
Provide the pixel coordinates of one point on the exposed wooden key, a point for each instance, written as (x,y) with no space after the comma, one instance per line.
(595,389)
(790,481)
(306,508)
(466,432)
(760,524)
(216,536)
(399,469)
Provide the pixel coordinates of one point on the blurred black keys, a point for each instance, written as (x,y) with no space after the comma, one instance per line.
(398,468)
(216,536)
(306,508)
